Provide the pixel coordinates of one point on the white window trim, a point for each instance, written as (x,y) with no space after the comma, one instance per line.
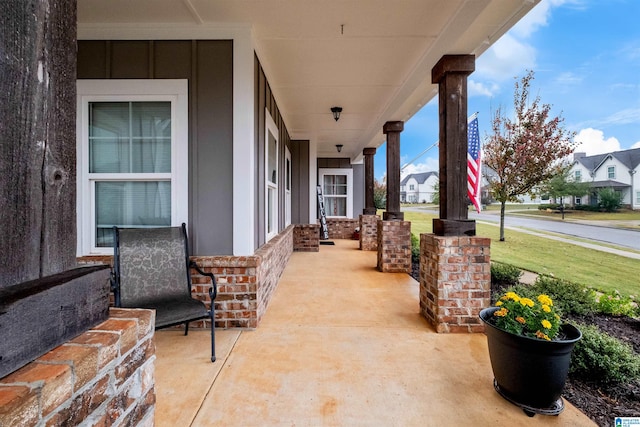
(287,186)
(174,90)
(340,171)
(270,127)
(614,172)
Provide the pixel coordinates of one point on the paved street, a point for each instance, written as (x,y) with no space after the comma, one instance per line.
(602,233)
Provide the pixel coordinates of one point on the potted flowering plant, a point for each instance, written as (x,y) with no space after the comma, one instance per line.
(530,351)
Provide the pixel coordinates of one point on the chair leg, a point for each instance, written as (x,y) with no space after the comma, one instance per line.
(213,335)
(186,328)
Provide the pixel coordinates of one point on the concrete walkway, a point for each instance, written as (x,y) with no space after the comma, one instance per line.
(341,344)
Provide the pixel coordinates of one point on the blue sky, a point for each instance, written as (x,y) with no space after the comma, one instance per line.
(586,59)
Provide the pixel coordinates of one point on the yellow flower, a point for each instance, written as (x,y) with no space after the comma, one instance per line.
(501,313)
(546,324)
(545,300)
(546,308)
(511,296)
(527,302)
(520,319)
(542,336)
(499,303)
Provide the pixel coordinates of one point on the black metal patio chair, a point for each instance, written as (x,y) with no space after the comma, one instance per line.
(152,270)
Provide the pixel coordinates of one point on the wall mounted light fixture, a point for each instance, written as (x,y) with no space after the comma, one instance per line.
(336,112)
(339,147)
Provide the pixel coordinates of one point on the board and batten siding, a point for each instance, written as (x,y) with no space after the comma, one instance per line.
(208,66)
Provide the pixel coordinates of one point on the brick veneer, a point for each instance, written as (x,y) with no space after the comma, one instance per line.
(342,228)
(369,232)
(245,283)
(103,377)
(306,238)
(455,281)
(394,246)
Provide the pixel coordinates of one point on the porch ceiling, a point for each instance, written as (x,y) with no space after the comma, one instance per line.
(371,57)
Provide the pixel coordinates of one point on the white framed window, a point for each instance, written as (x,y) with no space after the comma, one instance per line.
(412,187)
(611,172)
(132,157)
(287,189)
(337,189)
(271,137)
(578,176)
(637,196)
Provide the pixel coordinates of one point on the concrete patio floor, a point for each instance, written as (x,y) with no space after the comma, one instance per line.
(341,344)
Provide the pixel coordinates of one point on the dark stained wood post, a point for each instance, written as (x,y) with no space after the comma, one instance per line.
(369,202)
(392,130)
(37,139)
(451,75)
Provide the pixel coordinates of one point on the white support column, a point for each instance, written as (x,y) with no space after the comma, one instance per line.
(244,155)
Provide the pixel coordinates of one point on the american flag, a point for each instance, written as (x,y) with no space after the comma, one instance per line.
(474,163)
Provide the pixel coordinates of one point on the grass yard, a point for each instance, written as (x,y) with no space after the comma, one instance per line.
(599,270)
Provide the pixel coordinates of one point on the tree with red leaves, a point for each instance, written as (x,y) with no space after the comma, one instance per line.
(525,151)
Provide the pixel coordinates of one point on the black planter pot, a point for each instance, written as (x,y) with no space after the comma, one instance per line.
(530,372)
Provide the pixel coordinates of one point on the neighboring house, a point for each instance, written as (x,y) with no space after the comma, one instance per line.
(419,187)
(617,170)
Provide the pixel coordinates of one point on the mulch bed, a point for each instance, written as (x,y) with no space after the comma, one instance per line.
(603,405)
(600,404)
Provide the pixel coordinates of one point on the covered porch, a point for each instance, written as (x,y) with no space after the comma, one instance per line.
(340,344)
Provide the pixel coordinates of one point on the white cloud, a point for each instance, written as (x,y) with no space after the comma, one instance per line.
(536,18)
(430,165)
(568,78)
(592,141)
(506,59)
(636,145)
(626,116)
(482,89)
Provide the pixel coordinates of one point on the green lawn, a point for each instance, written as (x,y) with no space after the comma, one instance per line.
(596,269)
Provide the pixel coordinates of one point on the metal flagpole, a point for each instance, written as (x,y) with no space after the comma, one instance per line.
(471,117)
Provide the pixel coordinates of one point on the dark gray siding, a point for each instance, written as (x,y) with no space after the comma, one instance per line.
(264,99)
(208,65)
(300,185)
(358,190)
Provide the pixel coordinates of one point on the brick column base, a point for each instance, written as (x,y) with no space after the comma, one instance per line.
(394,246)
(369,232)
(455,281)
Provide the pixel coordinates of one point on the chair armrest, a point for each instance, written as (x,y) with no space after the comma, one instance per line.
(213,291)
(115,287)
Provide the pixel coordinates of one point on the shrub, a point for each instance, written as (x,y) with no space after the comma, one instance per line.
(590,208)
(415,249)
(609,199)
(605,360)
(615,304)
(505,274)
(569,297)
(525,291)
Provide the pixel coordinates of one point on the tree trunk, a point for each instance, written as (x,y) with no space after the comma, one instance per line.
(502,206)
(37,138)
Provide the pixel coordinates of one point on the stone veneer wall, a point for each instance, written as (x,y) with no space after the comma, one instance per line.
(245,283)
(394,246)
(369,232)
(342,228)
(306,238)
(455,281)
(104,377)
